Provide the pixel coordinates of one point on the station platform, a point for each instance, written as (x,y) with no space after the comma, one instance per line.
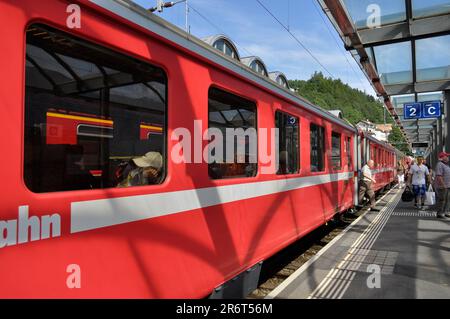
(396,253)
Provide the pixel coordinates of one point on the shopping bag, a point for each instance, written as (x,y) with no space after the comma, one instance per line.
(407,195)
(430,197)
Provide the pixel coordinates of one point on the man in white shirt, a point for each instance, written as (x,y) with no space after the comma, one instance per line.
(418,174)
(366,183)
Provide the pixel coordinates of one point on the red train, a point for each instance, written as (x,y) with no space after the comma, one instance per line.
(78,102)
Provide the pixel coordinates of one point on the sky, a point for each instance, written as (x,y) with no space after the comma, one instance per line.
(255,32)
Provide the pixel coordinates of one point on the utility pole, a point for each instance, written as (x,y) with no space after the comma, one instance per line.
(186,9)
(160,5)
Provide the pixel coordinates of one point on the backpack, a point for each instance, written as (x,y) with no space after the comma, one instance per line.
(121,172)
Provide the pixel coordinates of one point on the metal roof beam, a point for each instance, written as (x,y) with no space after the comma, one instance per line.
(418,134)
(340,18)
(423,127)
(425,121)
(415,133)
(420,87)
(98,83)
(406,31)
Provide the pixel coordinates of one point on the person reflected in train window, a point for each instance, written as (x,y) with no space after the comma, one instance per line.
(250,170)
(400,175)
(350,166)
(144,170)
(215,170)
(283,163)
(76,176)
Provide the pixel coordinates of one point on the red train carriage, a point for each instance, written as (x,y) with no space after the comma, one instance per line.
(384,156)
(77,103)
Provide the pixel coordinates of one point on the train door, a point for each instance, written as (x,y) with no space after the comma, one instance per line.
(356,165)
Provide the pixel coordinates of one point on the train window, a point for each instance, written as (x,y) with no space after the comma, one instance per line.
(317,148)
(380,157)
(377,151)
(336,151)
(94,118)
(375,158)
(348,151)
(235,117)
(288,158)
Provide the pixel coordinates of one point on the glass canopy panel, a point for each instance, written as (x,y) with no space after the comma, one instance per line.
(83,69)
(433,58)
(427,8)
(394,62)
(362,11)
(48,64)
(370,54)
(431,96)
(399,100)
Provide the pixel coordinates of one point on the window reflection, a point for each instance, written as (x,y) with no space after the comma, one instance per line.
(91,114)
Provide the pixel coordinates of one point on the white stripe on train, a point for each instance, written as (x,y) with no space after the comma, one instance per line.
(101,213)
(88,215)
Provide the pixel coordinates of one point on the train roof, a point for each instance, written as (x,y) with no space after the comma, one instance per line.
(373,139)
(130,11)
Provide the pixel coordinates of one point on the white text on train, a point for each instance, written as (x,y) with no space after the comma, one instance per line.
(28,228)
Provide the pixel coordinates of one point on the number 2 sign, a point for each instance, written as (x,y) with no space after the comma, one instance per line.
(413,111)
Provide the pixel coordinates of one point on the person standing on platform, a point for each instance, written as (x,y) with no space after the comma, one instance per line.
(442,185)
(400,174)
(430,171)
(417,178)
(366,185)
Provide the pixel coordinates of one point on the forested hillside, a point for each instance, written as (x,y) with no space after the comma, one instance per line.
(335,95)
(355,104)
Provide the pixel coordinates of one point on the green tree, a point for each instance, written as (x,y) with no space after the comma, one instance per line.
(356,105)
(396,138)
(334,95)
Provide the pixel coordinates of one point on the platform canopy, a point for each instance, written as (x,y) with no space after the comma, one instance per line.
(403,47)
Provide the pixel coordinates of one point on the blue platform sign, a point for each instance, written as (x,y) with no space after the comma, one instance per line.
(412,111)
(431,109)
(424,110)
